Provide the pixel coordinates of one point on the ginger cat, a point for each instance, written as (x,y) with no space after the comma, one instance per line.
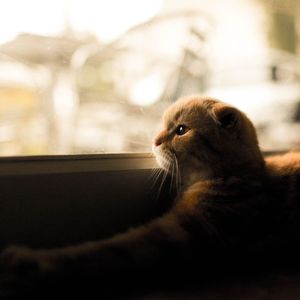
(233,209)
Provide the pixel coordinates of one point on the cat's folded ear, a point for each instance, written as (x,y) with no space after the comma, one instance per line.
(225,115)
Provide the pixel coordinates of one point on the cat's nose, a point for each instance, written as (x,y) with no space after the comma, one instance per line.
(157,141)
(160,138)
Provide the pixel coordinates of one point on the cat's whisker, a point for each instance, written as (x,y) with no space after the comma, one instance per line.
(162,182)
(155,176)
(178,176)
(173,174)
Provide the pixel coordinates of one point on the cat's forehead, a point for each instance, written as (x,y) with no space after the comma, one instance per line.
(191,108)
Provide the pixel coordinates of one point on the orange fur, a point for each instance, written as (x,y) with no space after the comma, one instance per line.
(231,204)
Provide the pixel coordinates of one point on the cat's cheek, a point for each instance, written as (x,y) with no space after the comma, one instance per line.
(183,141)
(181,145)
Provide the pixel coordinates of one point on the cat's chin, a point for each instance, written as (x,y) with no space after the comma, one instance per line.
(166,166)
(164,159)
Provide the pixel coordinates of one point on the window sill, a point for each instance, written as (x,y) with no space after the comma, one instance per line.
(29,165)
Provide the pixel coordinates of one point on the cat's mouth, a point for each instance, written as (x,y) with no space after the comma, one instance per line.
(164,158)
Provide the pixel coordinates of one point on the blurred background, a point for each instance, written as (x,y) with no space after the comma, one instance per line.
(94,76)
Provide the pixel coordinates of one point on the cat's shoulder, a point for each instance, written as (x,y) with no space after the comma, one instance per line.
(209,192)
(285,164)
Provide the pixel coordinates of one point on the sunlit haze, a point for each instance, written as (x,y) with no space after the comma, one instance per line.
(105,19)
(72,81)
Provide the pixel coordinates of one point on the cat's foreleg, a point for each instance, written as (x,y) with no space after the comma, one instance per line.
(160,242)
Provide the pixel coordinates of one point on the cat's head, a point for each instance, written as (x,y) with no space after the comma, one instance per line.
(204,138)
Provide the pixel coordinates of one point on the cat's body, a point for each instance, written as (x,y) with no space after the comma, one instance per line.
(233,210)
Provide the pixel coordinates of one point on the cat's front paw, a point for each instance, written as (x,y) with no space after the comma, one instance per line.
(19,268)
(20,260)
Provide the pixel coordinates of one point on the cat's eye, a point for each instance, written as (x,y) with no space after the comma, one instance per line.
(181,129)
